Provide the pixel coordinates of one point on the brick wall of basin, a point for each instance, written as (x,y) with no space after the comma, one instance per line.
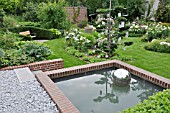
(156,79)
(47,65)
(63,103)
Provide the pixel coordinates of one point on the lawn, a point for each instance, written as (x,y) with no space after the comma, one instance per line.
(155,62)
(158,63)
(57,46)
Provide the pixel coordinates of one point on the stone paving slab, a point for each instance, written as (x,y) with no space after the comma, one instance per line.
(24,74)
(36,72)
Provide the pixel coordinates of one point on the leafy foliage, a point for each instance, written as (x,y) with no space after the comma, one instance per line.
(157,31)
(162,13)
(135,8)
(8,40)
(16,52)
(9,6)
(158,103)
(9,21)
(52,15)
(15,57)
(158,46)
(82,24)
(30,12)
(33,24)
(2,53)
(56,33)
(36,50)
(76,14)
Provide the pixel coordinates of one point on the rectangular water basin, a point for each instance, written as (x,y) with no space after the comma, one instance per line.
(95,92)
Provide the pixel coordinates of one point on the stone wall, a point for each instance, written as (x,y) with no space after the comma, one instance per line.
(82,15)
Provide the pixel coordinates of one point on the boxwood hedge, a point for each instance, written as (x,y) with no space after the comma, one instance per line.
(40,32)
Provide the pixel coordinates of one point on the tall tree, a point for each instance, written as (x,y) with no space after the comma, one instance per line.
(136,8)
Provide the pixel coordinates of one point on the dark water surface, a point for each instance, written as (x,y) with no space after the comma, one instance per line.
(94,92)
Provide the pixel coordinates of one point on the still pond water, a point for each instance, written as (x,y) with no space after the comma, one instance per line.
(94,92)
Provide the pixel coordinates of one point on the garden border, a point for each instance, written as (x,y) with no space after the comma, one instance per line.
(46,65)
(63,103)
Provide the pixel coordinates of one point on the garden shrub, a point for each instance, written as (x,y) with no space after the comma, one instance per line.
(56,33)
(89,37)
(95,59)
(15,57)
(144,38)
(157,31)
(2,13)
(39,51)
(137,30)
(122,57)
(79,54)
(167,39)
(30,13)
(85,58)
(9,21)
(135,35)
(71,50)
(157,103)
(158,46)
(8,40)
(9,6)
(33,24)
(25,52)
(53,15)
(162,13)
(2,53)
(91,52)
(82,24)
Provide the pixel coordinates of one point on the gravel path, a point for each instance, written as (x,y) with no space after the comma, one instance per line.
(28,97)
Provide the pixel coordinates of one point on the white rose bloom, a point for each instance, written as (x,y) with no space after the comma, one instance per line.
(67,37)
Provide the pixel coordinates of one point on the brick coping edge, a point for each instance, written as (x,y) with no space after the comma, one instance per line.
(63,103)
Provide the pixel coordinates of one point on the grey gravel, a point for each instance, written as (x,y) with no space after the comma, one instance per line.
(27,97)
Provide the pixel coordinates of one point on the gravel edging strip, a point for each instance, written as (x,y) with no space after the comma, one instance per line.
(27,97)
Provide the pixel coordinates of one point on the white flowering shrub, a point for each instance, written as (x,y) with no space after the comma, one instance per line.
(136,28)
(157,31)
(96,42)
(75,38)
(162,46)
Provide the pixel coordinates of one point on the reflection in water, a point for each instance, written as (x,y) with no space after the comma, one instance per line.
(107,80)
(145,89)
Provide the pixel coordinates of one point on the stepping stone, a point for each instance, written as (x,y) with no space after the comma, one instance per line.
(24,74)
(36,72)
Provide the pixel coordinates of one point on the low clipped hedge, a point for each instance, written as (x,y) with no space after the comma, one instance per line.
(40,32)
(158,47)
(135,35)
(157,103)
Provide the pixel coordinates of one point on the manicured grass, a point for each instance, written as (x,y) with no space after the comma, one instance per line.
(155,62)
(158,63)
(57,47)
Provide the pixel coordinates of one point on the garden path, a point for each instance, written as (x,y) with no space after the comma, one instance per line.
(41,41)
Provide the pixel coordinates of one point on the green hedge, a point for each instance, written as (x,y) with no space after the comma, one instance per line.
(157,103)
(157,47)
(40,32)
(135,35)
